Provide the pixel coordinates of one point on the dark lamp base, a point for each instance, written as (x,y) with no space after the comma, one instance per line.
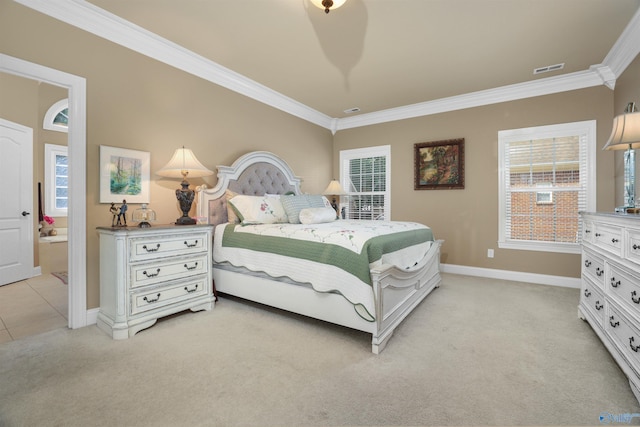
(185,220)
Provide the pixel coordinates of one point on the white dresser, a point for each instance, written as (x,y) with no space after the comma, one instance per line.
(147,273)
(610,294)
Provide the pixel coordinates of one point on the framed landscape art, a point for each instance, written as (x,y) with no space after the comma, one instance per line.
(439,165)
(124,175)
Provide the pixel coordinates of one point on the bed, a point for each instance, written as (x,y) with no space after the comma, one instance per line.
(399,274)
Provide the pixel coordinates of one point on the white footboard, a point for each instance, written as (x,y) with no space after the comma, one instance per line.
(398,292)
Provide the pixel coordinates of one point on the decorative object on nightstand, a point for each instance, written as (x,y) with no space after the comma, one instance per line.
(184,163)
(334,189)
(625,135)
(144,216)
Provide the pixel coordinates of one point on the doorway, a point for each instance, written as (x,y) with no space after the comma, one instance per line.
(76,87)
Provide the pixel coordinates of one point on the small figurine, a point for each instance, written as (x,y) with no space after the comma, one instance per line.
(122,214)
(114,214)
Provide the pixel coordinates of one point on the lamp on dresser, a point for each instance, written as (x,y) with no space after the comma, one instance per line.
(334,189)
(183,164)
(625,135)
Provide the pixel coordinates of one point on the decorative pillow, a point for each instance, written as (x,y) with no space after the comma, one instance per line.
(231,213)
(317,215)
(293,205)
(316,201)
(258,209)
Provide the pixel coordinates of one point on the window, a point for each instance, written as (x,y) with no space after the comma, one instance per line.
(56,177)
(366,177)
(547,176)
(57,117)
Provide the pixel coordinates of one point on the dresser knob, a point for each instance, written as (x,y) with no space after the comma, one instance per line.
(599,272)
(634,299)
(587,263)
(635,247)
(614,240)
(598,234)
(612,323)
(598,306)
(633,347)
(615,283)
(587,293)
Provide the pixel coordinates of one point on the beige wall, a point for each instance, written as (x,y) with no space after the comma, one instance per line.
(468,219)
(138,103)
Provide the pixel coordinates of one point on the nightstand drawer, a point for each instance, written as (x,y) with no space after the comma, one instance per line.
(162,271)
(624,288)
(593,300)
(593,266)
(625,335)
(149,247)
(166,295)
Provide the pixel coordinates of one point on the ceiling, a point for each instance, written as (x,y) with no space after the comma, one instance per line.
(383,54)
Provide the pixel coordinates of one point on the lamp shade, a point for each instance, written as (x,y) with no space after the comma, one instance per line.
(625,133)
(334,189)
(184,163)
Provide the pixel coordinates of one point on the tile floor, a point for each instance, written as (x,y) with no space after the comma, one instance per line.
(33,306)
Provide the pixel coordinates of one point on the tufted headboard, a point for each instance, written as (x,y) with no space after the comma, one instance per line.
(255,174)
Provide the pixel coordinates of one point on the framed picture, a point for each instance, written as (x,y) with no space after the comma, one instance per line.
(124,175)
(439,165)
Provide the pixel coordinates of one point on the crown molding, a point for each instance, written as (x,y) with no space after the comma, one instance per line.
(99,22)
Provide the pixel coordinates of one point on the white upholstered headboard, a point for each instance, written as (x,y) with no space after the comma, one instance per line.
(255,173)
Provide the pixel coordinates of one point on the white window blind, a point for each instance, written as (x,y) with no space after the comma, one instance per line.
(56,186)
(366,178)
(546,178)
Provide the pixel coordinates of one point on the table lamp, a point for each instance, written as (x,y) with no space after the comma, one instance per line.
(183,164)
(334,189)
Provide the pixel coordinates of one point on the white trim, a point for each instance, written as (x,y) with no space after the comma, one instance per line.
(95,20)
(515,276)
(77,176)
(51,115)
(50,153)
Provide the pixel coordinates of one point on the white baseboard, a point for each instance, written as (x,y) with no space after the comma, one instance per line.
(92,316)
(517,276)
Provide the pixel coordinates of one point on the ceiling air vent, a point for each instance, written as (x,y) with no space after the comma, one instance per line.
(548,68)
(352,110)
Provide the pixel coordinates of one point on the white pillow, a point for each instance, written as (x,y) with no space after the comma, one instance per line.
(258,209)
(317,215)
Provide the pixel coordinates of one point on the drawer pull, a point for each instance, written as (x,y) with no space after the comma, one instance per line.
(598,234)
(633,347)
(587,293)
(151,249)
(598,306)
(151,301)
(612,323)
(635,247)
(190,291)
(634,299)
(191,268)
(615,283)
(614,240)
(599,272)
(587,263)
(151,274)
(587,231)
(191,245)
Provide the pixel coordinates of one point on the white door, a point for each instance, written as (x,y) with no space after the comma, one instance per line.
(16,202)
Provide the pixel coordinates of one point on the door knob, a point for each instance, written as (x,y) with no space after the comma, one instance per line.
(25,213)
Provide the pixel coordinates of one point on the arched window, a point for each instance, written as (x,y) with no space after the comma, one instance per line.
(57,117)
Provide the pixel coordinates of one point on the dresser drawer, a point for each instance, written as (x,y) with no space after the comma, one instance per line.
(633,245)
(624,287)
(161,296)
(625,336)
(608,237)
(592,298)
(593,266)
(161,271)
(155,247)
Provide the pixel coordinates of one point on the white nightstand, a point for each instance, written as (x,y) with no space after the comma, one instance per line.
(148,273)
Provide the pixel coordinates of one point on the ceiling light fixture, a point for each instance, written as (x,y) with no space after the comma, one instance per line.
(328,4)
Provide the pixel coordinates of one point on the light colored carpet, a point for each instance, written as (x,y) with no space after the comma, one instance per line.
(475,352)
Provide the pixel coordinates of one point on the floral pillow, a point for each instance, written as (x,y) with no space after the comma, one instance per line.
(258,209)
